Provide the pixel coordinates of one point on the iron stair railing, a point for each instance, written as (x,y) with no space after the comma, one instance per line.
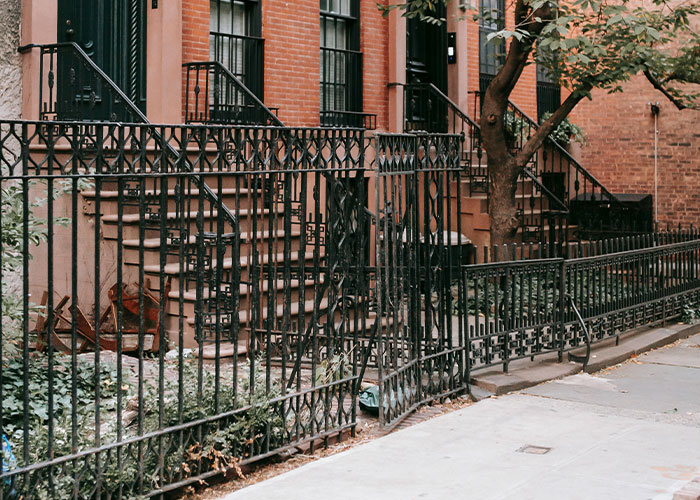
(88,93)
(427,109)
(215,96)
(566,181)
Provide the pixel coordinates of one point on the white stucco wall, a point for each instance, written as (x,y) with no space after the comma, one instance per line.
(10,64)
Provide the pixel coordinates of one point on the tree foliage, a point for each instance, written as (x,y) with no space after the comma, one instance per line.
(584,45)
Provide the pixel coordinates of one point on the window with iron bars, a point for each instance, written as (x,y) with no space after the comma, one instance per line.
(491,52)
(235,41)
(341,62)
(548,92)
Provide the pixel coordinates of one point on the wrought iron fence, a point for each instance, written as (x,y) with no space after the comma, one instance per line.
(180,300)
(420,248)
(147,342)
(522,309)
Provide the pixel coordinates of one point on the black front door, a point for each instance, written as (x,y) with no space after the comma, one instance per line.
(426,63)
(113,34)
(426,53)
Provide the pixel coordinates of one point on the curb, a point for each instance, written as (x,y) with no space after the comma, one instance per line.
(525,373)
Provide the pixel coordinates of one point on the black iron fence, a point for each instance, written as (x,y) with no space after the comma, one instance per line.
(181,300)
(522,309)
(178,301)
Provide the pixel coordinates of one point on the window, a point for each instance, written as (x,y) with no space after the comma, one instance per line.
(548,92)
(491,53)
(234,39)
(341,60)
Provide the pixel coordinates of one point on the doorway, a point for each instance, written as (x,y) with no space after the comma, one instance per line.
(113,34)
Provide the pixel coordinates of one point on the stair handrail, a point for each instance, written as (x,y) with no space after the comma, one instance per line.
(563,152)
(142,119)
(240,86)
(101,75)
(541,187)
(451,104)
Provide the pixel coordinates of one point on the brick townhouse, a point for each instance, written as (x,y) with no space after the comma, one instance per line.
(340,63)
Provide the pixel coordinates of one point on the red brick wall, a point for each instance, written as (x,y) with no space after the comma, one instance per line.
(619,130)
(195,30)
(292,55)
(195,40)
(292,59)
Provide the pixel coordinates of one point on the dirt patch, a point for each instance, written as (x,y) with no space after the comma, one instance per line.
(367,429)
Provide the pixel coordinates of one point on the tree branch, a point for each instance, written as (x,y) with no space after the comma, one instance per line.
(658,86)
(541,134)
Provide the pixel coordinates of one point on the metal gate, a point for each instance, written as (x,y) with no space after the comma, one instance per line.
(419,248)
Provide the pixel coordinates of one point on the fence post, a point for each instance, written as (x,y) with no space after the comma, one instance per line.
(562,305)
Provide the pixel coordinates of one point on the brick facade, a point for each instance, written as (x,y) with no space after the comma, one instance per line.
(292,62)
(619,127)
(292,55)
(619,131)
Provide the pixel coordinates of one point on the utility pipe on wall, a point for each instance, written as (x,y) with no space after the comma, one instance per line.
(655,113)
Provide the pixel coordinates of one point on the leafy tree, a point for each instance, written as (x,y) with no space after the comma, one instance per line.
(584,44)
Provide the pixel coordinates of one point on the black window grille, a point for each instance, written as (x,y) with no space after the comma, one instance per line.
(235,41)
(548,92)
(341,61)
(491,52)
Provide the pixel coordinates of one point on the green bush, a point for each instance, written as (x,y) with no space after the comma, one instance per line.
(566,132)
(219,445)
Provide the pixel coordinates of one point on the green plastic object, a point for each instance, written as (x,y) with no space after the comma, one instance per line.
(369,399)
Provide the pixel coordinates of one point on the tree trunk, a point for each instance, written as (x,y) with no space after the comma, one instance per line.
(502,167)
(503,210)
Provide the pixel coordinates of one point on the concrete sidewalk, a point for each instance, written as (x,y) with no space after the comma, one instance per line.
(630,433)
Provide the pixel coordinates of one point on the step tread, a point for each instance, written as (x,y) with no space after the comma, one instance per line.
(309,306)
(172,215)
(151,243)
(175,268)
(113,194)
(279,285)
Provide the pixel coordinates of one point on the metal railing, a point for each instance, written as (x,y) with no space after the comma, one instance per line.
(170,347)
(519,309)
(352,119)
(580,248)
(214,95)
(162,346)
(564,181)
(341,87)
(73,87)
(426,108)
(68,62)
(242,55)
